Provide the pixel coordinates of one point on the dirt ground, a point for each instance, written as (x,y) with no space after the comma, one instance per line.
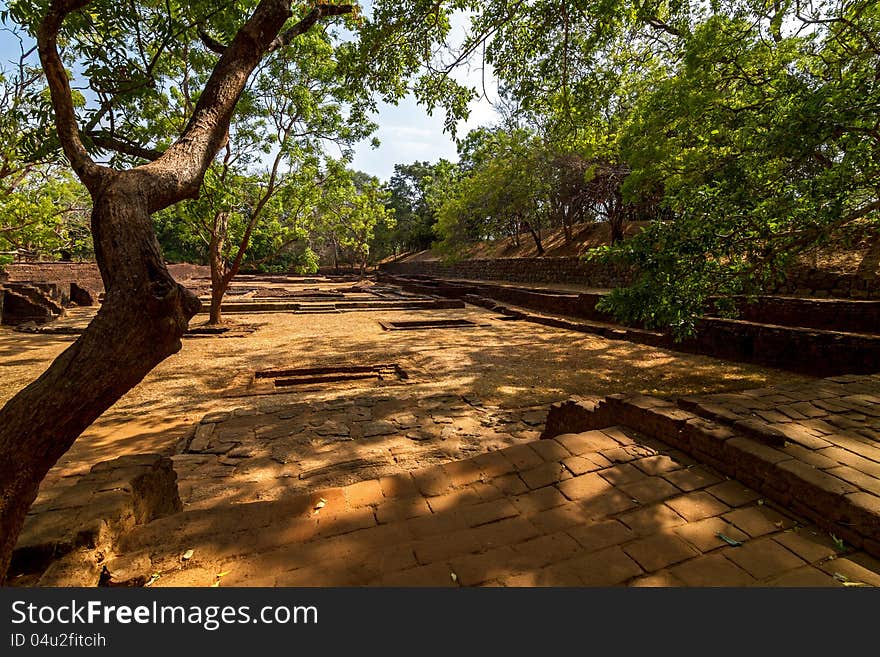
(503,364)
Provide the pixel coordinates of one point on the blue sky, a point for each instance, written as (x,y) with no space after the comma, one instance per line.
(406,131)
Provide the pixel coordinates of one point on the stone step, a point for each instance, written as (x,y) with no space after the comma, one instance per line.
(89,517)
(823,471)
(844,315)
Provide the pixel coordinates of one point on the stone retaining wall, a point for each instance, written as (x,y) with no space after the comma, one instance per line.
(801,281)
(524,270)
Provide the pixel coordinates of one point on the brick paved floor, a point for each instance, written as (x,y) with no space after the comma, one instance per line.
(599,508)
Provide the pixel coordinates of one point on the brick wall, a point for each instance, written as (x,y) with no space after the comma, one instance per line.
(84,274)
(523,270)
(801,281)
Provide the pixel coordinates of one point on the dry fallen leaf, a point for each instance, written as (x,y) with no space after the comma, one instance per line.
(223,574)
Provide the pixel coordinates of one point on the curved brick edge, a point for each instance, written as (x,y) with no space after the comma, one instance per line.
(65,539)
(851,514)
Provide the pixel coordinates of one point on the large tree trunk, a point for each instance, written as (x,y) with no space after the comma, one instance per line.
(145,311)
(139,325)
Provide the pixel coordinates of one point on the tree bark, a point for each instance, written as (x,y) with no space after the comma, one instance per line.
(139,325)
(535,237)
(219,279)
(145,312)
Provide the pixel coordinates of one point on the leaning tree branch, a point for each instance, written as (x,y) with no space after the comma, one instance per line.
(125,147)
(85,167)
(182,167)
(317,13)
(211,43)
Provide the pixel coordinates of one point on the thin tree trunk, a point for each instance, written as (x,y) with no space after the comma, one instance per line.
(219,279)
(535,237)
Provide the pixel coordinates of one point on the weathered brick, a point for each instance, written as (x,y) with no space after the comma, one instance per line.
(697,506)
(660,579)
(704,534)
(802,435)
(510,484)
(559,517)
(463,472)
(432,481)
(657,465)
(844,457)
(733,493)
(587,485)
(652,489)
(622,474)
(544,475)
(453,500)
(493,464)
(550,450)
(764,558)
(539,500)
(437,574)
(692,478)
(758,520)
(585,443)
(814,458)
(522,457)
(364,493)
(859,445)
(804,577)
(579,465)
(402,509)
(802,476)
(486,512)
(400,485)
(606,504)
(711,570)
(544,550)
(659,551)
(809,547)
(607,567)
(599,535)
(856,478)
(346,521)
(652,519)
(436,523)
(475,569)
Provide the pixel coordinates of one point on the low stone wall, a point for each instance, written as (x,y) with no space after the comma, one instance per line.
(801,281)
(790,473)
(826,314)
(84,274)
(809,282)
(806,350)
(572,270)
